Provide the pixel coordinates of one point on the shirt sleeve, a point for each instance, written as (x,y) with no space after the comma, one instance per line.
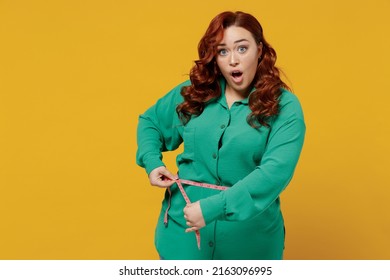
(157,130)
(260,188)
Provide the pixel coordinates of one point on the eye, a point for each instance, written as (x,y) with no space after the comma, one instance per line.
(222,52)
(242,49)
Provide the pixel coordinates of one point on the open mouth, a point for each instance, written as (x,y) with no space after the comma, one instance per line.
(237,76)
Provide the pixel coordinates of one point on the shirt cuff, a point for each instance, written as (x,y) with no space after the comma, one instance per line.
(152,164)
(213,207)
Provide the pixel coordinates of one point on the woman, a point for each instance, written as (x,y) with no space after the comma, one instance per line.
(241,128)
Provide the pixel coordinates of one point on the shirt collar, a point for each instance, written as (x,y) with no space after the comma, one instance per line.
(222,99)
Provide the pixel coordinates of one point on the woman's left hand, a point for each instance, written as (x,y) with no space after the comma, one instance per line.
(194,217)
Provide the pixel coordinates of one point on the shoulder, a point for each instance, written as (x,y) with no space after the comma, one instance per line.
(174,94)
(178,88)
(290,104)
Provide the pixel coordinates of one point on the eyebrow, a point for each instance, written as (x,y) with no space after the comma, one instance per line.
(235,42)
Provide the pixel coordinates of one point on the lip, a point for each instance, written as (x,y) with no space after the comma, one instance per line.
(237,78)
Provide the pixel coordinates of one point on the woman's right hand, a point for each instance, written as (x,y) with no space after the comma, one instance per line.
(161,177)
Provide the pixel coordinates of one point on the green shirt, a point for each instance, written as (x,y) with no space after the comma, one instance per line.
(220,147)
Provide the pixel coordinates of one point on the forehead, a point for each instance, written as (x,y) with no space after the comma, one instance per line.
(235,33)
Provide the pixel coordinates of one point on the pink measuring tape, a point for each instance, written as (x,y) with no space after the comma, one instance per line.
(187,200)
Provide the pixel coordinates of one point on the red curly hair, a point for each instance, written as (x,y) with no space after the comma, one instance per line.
(204,75)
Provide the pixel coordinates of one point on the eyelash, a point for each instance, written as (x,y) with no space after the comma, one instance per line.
(245,48)
(242,47)
(220,52)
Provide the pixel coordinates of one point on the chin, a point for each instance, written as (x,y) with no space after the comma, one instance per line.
(241,88)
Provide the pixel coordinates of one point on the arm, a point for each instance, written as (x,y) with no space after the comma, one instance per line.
(157,132)
(260,188)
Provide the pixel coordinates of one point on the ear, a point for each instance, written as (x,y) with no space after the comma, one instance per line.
(259,50)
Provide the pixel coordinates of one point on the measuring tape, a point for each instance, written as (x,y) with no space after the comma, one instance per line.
(179,183)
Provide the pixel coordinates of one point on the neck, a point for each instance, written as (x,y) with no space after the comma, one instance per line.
(233,96)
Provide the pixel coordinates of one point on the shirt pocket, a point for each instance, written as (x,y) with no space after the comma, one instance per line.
(189,145)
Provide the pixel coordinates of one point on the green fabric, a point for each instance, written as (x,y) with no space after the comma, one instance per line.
(220,147)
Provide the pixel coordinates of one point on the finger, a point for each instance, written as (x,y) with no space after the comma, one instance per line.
(188,206)
(186,209)
(163,184)
(161,177)
(191,229)
(168,174)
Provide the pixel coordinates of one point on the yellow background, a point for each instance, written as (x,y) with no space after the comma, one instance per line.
(75,75)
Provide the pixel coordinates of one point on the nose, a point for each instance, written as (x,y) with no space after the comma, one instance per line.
(233,60)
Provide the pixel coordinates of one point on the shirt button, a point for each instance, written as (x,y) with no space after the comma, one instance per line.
(214,156)
(223,126)
(211,244)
